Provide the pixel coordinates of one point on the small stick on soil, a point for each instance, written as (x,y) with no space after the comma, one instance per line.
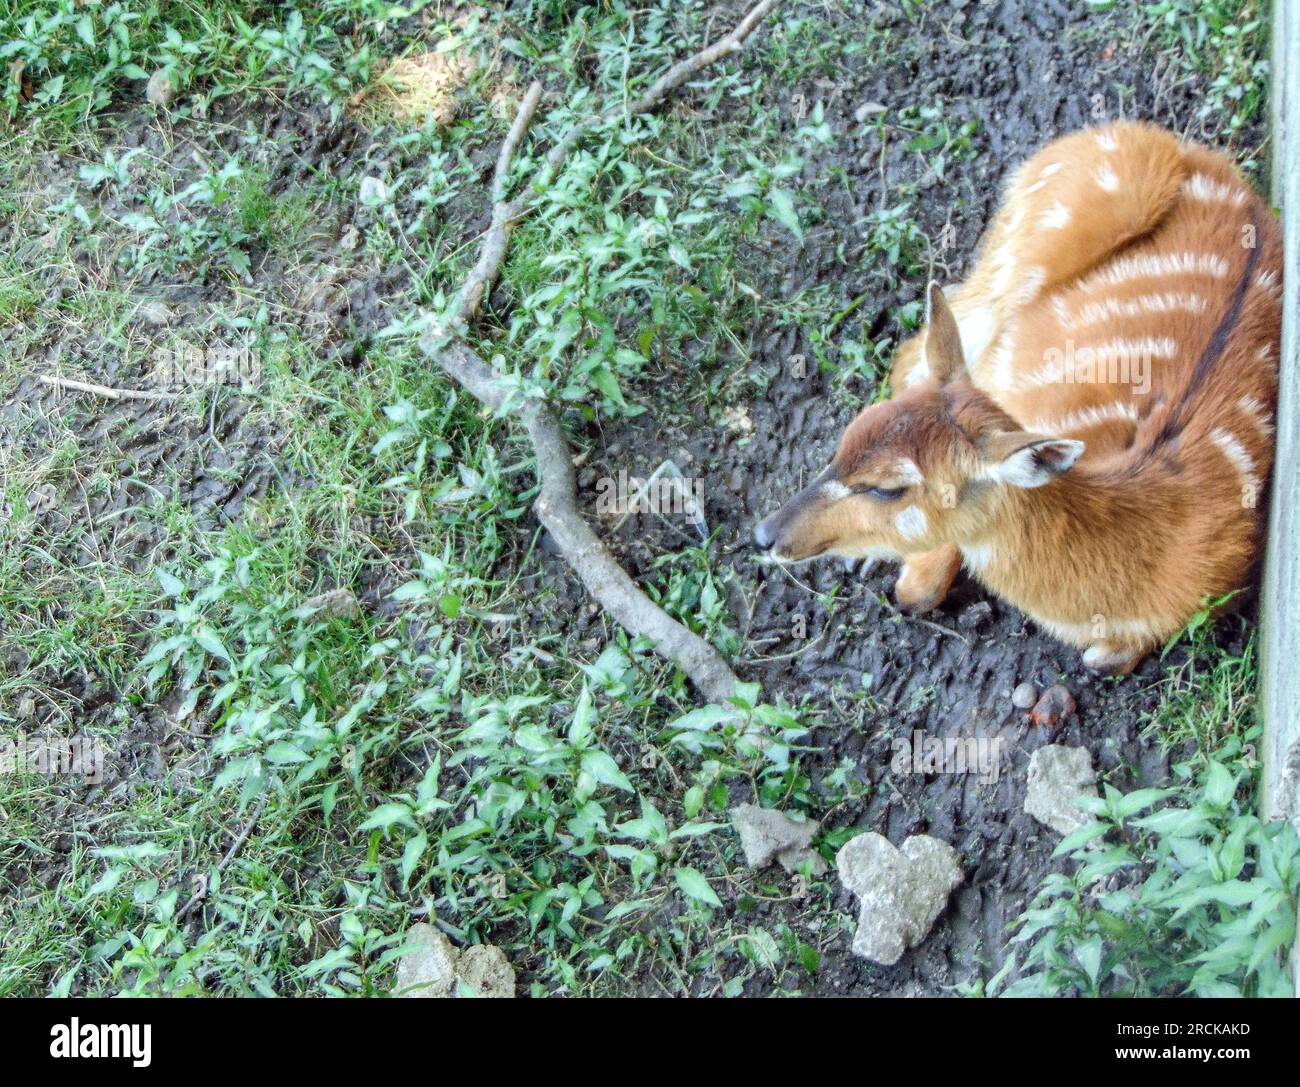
(556,507)
(231,854)
(932,625)
(103,390)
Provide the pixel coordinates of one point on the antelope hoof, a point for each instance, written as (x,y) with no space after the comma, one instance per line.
(1108,659)
(914,597)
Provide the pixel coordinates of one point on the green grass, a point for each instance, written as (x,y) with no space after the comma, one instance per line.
(66,61)
(1225,42)
(1175,891)
(445,746)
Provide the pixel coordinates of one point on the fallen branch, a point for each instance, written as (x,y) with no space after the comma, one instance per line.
(102,390)
(557,507)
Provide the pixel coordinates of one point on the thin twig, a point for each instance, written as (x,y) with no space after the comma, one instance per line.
(231,854)
(103,390)
(556,507)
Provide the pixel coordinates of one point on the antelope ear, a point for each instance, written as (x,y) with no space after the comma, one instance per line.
(1021,459)
(942,344)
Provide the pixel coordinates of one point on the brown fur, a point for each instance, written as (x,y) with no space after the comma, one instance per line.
(1127,243)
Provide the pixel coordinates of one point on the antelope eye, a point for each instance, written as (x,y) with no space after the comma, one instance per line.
(886,494)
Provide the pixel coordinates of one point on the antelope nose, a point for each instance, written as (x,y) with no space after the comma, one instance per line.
(764,537)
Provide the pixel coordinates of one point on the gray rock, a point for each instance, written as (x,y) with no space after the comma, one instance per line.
(161,89)
(1025,696)
(155,313)
(373,192)
(429,968)
(484,970)
(335,604)
(901,891)
(433,967)
(1058,776)
(868,109)
(768,835)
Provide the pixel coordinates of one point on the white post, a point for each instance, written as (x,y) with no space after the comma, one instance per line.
(1279,692)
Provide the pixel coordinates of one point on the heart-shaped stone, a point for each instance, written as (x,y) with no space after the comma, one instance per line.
(901,891)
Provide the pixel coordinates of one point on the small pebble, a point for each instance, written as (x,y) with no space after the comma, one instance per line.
(161,89)
(1024,696)
(373,192)
(155,313)
(1056,704)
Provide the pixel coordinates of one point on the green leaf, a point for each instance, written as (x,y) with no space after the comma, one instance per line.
(411,855)
(1088,955)
(212,644)
(580,730)
(1139,800)
(605,770)
(283,752)
(780,206)
(1220,785)
(693,801)
(387,816)
(172,586)
(695,886)
(1080,837)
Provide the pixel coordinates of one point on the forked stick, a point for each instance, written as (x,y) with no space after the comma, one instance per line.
(557,507)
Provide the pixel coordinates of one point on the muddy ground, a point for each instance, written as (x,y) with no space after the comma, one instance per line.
(1027,72)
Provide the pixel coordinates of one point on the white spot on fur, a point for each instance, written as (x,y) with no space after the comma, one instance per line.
(1050,169)
(911,523)
(1055,217)
(918,373)
(1106,178)
(977,557)
(1153,265)
(1004,265)
(1107,142)
(1205,188)
(835,490)
(1258,415)
(1268,281)
(1034,187)
(906,473)
(1107,309)
(1031,283)
(1237,454)
(1086,418)
(1002,359)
